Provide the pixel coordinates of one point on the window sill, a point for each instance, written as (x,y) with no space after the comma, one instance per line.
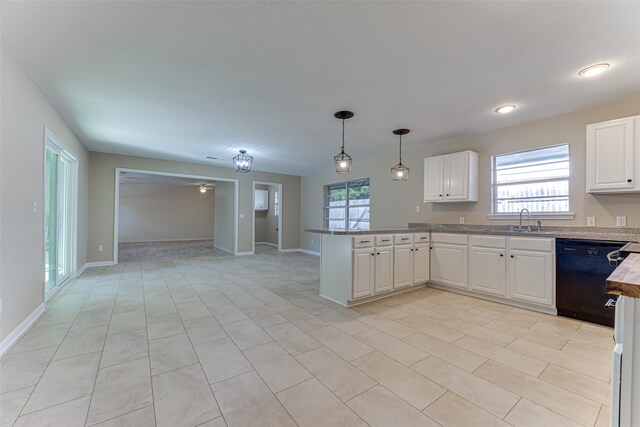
(539,215)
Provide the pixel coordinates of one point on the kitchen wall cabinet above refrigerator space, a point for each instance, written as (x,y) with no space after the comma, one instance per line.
(451,177)
(613,156)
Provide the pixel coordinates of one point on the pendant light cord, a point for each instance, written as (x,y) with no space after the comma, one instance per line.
(400,149)
(343,136)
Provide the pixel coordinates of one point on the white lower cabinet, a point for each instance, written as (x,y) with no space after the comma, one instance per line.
(449,259)
(530,276)
(487,265)
(363,272)
(383,280)
(402,266)
(421,255)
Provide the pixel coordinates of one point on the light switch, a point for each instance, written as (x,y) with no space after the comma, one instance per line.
(100,248)
(34,206)
(461,220)
(621,221)
(417,208)
(591,221)
(241,216)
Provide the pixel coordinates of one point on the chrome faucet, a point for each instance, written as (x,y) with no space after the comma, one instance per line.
(520,227)
(528,216)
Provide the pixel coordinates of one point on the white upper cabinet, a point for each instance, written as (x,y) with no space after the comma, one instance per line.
(261,200)
(451,178)
(613,156)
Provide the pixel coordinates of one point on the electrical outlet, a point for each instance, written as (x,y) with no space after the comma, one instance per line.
(417,208)
(241,216)
(621,221)
(591,221)
(100,248)
(312,241)
(461,220)
(34,206)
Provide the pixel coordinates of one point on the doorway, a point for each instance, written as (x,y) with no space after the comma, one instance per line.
(60,210)
(267,215)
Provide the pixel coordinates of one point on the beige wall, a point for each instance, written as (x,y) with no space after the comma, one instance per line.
(101,198)
(394,203)
(155,212)
(24,113)
(224,227)
(266,221)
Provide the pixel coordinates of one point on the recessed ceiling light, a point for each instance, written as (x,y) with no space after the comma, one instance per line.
(504,109)
(593,70)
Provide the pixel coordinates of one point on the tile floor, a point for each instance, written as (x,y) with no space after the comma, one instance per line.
(195,339)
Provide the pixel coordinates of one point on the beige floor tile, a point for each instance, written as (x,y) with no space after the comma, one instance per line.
(68,414)
(192,310)
(141,418)
(587,351)
(578,364)
(11,404)
(125,347)
(263,316)
(482,393)
(80,342)
(218,422)
(391,327)
(171,353)
(458,356)
(246,334)
(277,368)
(124,322)
(92,319)
(451,410)
(246,400)
(120,389)
(536,337)
(603,417)
(342,378)
(506,356)
(392,347)
(221,359)
(596,339)
(442,332)
(557,325)
(422,311)
(204,329)
(22,370)
(64,380)
(164,325)
(557,399)
(310,305)
(340,342)
(528,414)
(183,398)
(381,408)
(384,310)
(414,389)
(40,337)
(344,322)
(291,338)
(303,320)
(311,404)
(480,332)
(227,313)
(581,384)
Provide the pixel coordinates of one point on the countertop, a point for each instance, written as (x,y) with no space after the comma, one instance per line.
(625,280)
(588,233)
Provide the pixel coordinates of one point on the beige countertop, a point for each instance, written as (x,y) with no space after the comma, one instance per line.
(589,233)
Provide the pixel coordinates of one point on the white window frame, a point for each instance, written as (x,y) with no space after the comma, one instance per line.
(325,204)
(515,215)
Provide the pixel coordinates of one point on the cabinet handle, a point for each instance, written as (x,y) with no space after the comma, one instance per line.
(511,256)
(365,241)
(405,238)
(628,180)
(447,194)
(501,254)
(378,253)
(385,240)
(440,195)
(372,254)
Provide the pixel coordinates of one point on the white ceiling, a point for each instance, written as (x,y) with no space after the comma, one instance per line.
(148,178)
(185,80)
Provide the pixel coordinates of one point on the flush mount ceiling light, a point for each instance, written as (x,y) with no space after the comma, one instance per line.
(504,109)
(593,70)
(203,189)
(400,172)
(343,160)
(243,162)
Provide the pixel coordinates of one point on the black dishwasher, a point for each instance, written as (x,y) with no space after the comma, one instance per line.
(582,268)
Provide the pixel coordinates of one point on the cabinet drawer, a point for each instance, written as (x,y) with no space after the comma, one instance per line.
(531,244)
(456,239)
(362,241)
(384,240)
(403,239)
(421,237)
(488,242)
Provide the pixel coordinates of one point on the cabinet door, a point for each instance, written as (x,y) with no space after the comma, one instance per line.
(530,276)
(487,270)
(434,179)
(449,264)
(611,156)
(420,264)
(402,266)
(456,176)
(383,281)
(363,272)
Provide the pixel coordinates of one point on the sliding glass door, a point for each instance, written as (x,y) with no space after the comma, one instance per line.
(59,218)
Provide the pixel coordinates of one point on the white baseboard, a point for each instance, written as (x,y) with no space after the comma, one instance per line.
(245,253)
(93,264)
(21,329)
(195,239)
(267,243)
(304,251)
(223,249)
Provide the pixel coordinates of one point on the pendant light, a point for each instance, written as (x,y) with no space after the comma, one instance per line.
(400,172)
(243,162)
(343,160)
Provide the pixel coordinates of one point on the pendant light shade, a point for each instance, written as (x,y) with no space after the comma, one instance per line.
(243,162)
(400,172)
(342,159)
